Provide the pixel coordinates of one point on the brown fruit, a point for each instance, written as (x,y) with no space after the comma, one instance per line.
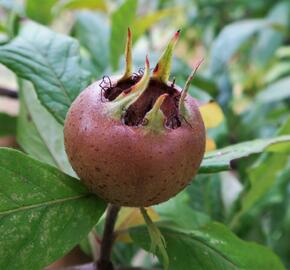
(135,141)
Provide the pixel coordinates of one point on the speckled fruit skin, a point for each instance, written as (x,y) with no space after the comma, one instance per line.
(122,164)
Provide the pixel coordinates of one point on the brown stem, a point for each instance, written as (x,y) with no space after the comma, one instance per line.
(8,93)
(104,262)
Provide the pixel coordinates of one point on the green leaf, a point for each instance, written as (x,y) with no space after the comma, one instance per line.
(282,148)
(40,11)
(43,212)
(122,18)
(276,91)
(270,39)
(142,24)
(38,133)
(51,62)
(205,193)
(7,124)
(263,175)
(221,159)
(2,28)
(81,4)
(92,30)
(278,232)
(230,40)
(279,70)
(28,136)
(178,212)
(13,5)
(211,247)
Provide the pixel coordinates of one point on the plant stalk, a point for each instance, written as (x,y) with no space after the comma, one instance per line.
(104,262)
(8,93)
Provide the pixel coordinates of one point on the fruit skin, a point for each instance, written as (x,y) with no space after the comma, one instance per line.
(125,165)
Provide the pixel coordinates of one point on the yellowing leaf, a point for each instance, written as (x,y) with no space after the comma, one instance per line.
(142,24)
(131,217)
(212,114)
(210,145)
(81,4)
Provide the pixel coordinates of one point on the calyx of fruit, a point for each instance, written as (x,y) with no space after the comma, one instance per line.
(136,139)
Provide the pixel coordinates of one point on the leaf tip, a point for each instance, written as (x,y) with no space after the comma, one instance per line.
(147,63)
(177,34)
(129,33)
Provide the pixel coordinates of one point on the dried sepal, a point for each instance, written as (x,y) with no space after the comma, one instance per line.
(187,85)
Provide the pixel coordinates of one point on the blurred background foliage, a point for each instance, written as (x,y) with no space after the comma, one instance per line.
(246,49)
